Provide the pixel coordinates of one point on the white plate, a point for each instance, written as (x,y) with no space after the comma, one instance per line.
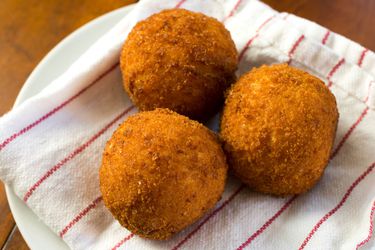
(36,234)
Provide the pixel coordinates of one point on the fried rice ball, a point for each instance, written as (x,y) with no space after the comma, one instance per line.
(180,60)
(279,124)
(161,172)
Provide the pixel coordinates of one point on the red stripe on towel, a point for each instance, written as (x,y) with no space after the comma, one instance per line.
(338,206)
(333,71)
(362,57)
(178,5)
(346,136)
(217,210)
(73,154)
(53,111)
(80,216)
(265,22)
(231,13)
(370,230)
(121,242)
(325,38)
(294,47)
(248,44)
(267,224)
(250,41)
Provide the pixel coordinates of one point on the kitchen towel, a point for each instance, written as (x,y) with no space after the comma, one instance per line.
(50,145)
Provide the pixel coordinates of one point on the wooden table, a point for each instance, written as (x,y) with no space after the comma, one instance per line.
(29,29)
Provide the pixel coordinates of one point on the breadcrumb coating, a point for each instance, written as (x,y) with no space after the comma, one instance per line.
(180,60)
(278,125)
(161,172)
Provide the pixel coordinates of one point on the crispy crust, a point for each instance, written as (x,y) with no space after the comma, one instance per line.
(161,172)
(180,60)
(278,125)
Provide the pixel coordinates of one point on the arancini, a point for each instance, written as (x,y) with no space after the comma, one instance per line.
(180,60)
(161,172)
(278,126)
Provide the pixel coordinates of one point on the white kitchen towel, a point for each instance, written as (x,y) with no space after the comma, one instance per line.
(50,146)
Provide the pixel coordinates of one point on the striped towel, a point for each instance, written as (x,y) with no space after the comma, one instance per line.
(50,146)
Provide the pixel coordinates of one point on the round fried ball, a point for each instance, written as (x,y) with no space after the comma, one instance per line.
(279,125)
(161,172)
(180,60)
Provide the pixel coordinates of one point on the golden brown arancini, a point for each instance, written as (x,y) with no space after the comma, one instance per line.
(161,172)
(180,60)
(279,125)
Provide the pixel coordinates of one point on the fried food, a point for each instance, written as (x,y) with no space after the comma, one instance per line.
(161,172)
(279,124)
(180,60)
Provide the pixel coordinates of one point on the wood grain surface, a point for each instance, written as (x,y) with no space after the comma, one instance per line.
(29,29)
